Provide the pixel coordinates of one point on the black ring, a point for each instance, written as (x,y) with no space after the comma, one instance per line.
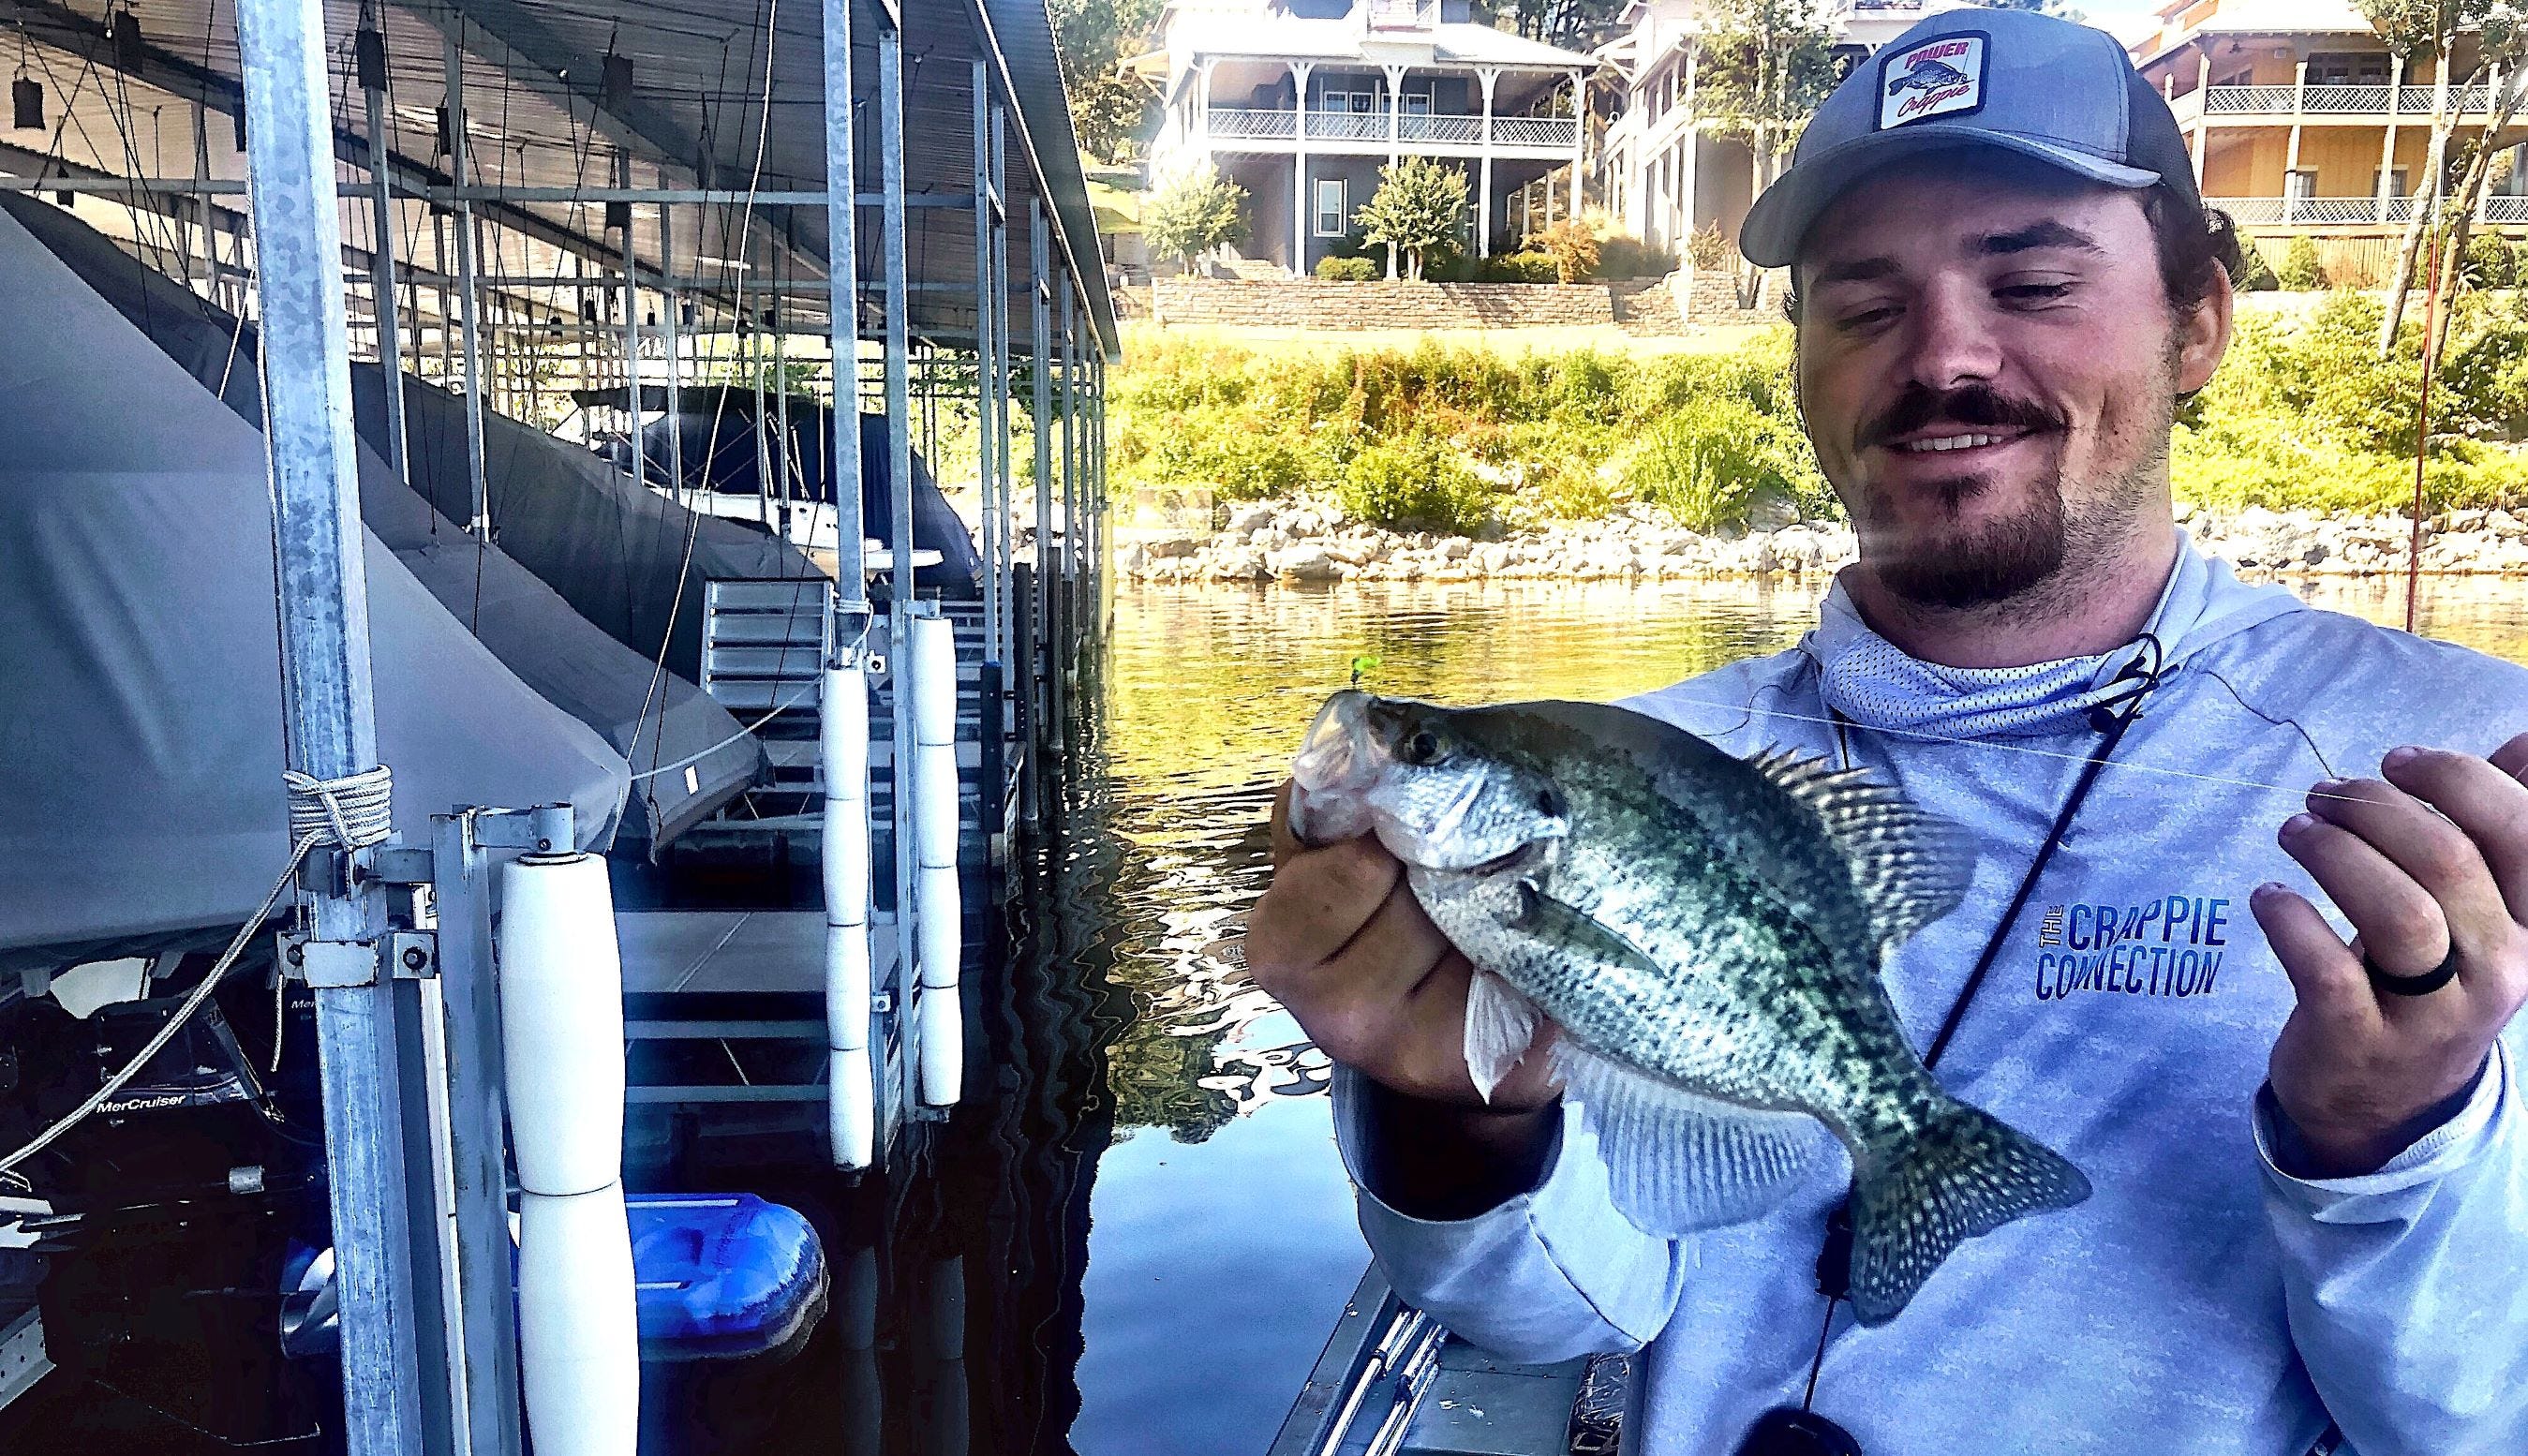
(2412,986)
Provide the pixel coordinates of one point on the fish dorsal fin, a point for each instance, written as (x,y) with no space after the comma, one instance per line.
(1678,1162)
(1908,866)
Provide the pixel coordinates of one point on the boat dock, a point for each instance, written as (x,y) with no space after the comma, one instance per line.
(667,446)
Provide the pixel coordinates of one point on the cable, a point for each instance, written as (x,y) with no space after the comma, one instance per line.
(778,708)
(348,812)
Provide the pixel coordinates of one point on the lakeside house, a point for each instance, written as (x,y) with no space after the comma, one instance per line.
(1666,174)
(1301,102)
(2302,124)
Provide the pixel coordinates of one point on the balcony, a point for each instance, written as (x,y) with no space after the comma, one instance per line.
(2371,104)
(1275,130)
(2327,212)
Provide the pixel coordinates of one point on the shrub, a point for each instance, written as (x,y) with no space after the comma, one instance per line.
(1708,248)
(1420,204)
(1196,214)
(1521,268)
(1417,483)
(2491,262)
(1347,270)
(2299,270)
(1573,247)
(1707,465)
(1621,256)
(2255,275)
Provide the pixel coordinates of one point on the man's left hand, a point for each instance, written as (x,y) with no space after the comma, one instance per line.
(2430,859)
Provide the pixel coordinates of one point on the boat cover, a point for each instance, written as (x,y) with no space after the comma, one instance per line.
(657,718)
(718,447)
(140,721)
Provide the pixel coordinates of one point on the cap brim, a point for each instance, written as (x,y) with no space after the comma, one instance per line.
(1774,225)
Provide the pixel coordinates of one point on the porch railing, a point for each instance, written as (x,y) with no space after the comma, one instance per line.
(1268,124)
(2336,100)
(2272,212)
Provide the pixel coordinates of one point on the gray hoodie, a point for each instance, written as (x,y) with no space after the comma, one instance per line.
(2202,1301)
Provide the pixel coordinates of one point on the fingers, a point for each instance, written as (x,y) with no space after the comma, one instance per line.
(2325,975)
(1285,843)
(1318,902)
(2399,921)
(2484,801)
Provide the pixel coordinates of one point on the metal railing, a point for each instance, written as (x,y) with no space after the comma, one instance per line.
(2274,212)
(1403,15)
(2331,100)
(1267,124)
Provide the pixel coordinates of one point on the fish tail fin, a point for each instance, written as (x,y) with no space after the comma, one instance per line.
(1962,1175)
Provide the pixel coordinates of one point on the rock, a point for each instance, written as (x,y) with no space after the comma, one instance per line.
(1304,562)
(1129,559)
(1239,564)
(1172,546)
(1455,547)
(1771,513)
(1247,519)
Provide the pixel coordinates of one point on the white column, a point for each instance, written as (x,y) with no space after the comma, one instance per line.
(1394,113)
(1684,221)
(1202,104)
(2290,149)
(2204,106)
(1299,206)
(2388,147)
(1579,133)
(1488,76)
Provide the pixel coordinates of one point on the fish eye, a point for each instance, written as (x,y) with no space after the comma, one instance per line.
(1422,748)
(1551,803)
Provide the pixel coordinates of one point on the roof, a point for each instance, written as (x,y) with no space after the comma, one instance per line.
(2255,17)
(1300,38)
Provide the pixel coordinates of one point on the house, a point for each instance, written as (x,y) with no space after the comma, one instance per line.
(1663,173)
(1301,102)
(2300,121)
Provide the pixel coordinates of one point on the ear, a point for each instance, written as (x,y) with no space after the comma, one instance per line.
(2203,334)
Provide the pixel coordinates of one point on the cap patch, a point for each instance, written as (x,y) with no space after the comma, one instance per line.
(1940,77)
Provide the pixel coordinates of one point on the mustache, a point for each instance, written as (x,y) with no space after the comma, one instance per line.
(1920,407)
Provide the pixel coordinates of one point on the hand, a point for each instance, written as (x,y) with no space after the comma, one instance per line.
(2361,1073)
(1340,941)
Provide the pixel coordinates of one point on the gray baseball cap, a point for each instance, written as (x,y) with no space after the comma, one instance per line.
(2030,84)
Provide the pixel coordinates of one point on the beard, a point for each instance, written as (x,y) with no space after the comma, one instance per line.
(2018,558)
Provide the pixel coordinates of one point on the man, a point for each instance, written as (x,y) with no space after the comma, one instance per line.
(2311,1176)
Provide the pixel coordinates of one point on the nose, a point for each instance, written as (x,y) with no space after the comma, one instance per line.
(1952,340)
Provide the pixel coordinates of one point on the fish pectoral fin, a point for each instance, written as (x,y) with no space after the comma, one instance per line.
(1543,917)
(1501,1025)
(1678,1162)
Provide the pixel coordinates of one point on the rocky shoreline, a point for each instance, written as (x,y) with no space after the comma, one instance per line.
(1310,543)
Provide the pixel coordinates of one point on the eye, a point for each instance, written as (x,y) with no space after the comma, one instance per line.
(1422,748)
(1551,803)
(2034,292)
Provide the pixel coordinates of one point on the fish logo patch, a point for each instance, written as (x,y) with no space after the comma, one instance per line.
(1936,78)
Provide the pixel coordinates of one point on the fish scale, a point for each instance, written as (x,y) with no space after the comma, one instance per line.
(1707,934)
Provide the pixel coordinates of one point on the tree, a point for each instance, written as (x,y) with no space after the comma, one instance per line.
(1110,111)
(1419,205)
(1573,24)
(1197,213)
(1765,64)
(2429,30)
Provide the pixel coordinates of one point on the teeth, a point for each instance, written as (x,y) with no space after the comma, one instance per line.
(1950,442)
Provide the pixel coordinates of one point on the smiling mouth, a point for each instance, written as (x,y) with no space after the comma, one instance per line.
(1931,445)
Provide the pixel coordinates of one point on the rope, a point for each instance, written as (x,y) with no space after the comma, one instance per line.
(348,812)
(778,708)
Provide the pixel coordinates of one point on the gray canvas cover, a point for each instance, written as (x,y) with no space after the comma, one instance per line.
(140,726)
(655,719)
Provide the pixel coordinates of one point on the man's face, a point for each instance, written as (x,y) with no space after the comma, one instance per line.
(1988,366)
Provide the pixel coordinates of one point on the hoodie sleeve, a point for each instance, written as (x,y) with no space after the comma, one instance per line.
(2407,1288)
(1550,1274)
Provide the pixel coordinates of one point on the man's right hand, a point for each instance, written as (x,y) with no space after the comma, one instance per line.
(1340,941)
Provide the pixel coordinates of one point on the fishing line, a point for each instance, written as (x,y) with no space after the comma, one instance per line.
(1929,736)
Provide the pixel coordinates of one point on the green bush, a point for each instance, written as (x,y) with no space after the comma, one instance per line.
(1417,483)
(1347,270)
(2491,262)
(2299,270)
(1623,255)
(1706,247)
(2255,275)
(1518,268)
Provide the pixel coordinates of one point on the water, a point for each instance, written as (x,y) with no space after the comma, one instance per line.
(1135,1235)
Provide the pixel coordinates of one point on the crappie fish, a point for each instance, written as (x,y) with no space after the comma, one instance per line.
(1707,933)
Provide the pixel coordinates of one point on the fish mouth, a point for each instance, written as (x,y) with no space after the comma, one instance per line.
(1518,858)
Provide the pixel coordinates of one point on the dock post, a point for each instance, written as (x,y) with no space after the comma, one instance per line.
(631,322)
(382,251)
(847,664)
(321,592)
(902,664)
(1005,586)
(467,276)
(672,344)
(1042,670)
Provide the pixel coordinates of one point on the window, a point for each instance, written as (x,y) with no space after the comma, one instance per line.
(2396,183)
(1331,211)
(1418,103)
(2348,70)
(2299,184)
